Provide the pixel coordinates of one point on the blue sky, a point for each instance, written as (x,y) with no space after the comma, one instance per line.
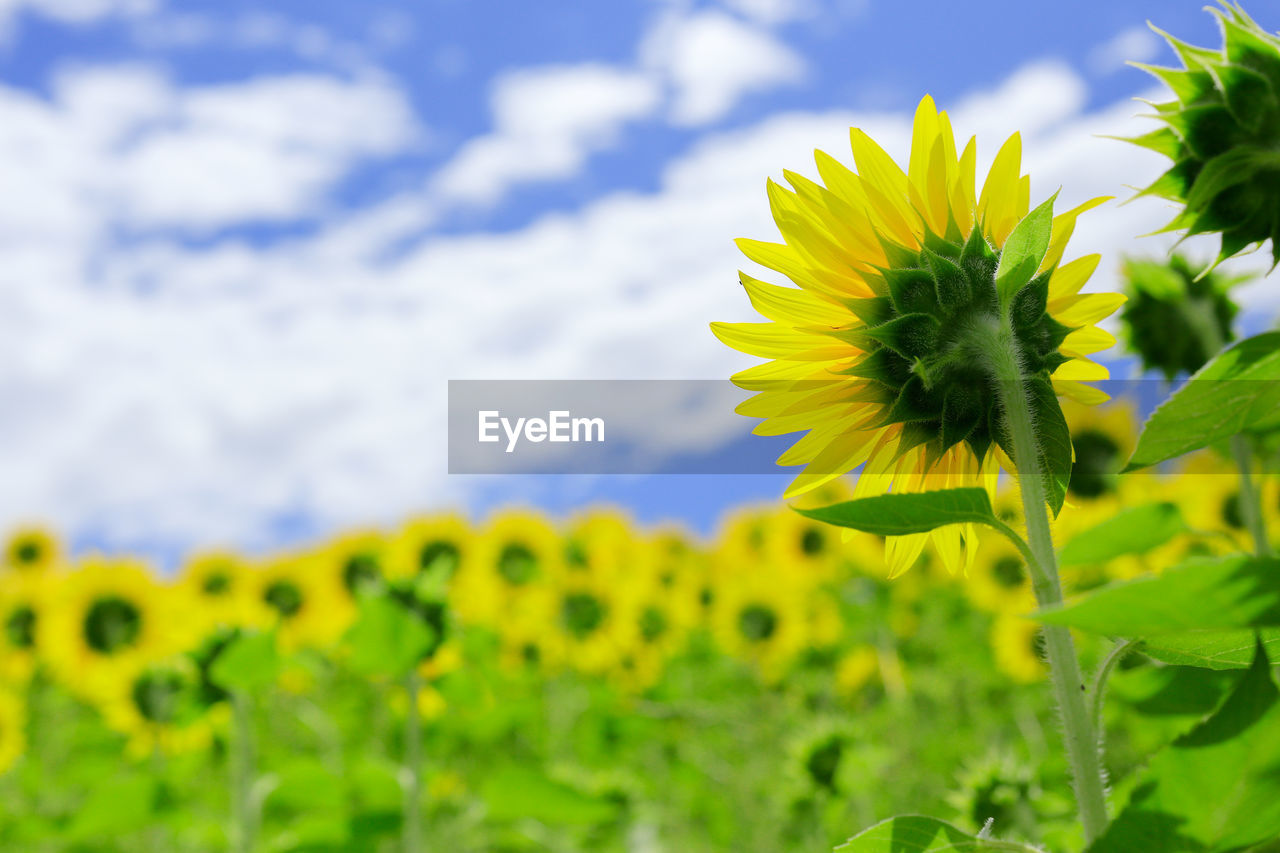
(247,243)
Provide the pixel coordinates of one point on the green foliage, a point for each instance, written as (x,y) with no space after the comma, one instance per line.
(1216,788)
(1203,594)
(1236,392)
(1023,251)
(249,663)
(388,639)
(1213,649)
(915,834)
(899,515)
(1131,531)
(515,793)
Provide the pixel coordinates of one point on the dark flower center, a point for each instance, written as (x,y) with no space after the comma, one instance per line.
(158,696)
(653,623)
(757,622)
(1094,470)
(517,564)
(20,627)
(285,597)
(582,613)
(823,762)
(112,623)
(439,556)
(812,541)
(1009,572)
(361,571)
(216,583)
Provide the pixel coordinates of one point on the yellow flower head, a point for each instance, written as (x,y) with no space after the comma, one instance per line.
(31,548)
(106,617)
(867,353)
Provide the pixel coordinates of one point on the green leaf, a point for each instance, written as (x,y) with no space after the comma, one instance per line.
(1212,649)
(515,793)
(1132,531)
(1054,438)
(127,804)
(1237,391)
(917,834)
(1024,250)
(1203,594)
(387,639)
(1216,788)
(900,514)
(250,663)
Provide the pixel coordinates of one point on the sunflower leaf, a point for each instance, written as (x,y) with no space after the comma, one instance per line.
(1131,531)
(1203,594)
(903,514)
(1212,649)
(249,663)
(918,834)
(1238,391)
(1024,250)
(1216,787)
(387,638)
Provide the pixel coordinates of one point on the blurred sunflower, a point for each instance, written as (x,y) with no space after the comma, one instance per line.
(868,352)
(357,559)
(1103,439)
(999,581)
(13,730)
(159,707)
(23,604)
(802,544)
(1018,648)
(515,551)
(32,548)
(761,618)
(216,582)
(433,544)
(293,593)
(107,617)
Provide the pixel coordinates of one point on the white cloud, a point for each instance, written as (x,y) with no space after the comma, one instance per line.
(712,60)
(546,122)
(191,395)
(73,11)
(123,146)
(1136,44)
(773,12)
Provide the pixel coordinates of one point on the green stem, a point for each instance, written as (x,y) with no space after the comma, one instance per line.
(1098,694)
(999,348)
(242,773)
(1250,500)
(1198,313)
(412,768)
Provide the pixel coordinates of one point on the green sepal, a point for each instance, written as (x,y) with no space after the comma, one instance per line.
(911,290)
(951,283)
(911,336)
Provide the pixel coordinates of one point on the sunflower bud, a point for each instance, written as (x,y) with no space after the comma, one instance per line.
(1175,320)
(1221,133)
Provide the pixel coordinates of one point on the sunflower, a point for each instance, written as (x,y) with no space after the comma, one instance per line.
(216,581)
(513,557)
(429,545)
(1103,439)
(870,353)
(32,548)
(1018,648)
(762,618)
(295,594)
(105,618)
(23,604)
(160,706)
(13,730)
(999,581)
(803,545)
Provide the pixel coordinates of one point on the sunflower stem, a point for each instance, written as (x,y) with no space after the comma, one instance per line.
(242,772)
(1198,315)
(1250,500)
(412,767)
(999,349)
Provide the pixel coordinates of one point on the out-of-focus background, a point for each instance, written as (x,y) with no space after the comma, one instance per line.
(243,245)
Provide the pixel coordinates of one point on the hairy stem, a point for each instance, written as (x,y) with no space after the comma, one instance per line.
(999,349)
(412,768)
(242,773)
(1250,500)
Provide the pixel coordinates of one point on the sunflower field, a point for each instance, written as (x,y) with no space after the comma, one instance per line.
(528,683)
(1047,619)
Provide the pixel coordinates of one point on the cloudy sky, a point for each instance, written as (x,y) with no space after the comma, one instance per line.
(243,245)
